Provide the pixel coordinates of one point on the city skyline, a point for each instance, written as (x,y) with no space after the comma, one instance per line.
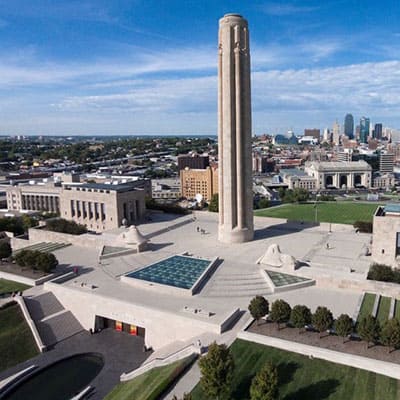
(135,67)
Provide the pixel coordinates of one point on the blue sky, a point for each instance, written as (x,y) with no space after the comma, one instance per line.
(149,66)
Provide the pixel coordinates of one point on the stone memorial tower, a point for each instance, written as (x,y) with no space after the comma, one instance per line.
(234,131)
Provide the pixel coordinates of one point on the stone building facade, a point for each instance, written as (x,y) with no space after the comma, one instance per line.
(386,236)
(199,181)
(341,175)
(98,206)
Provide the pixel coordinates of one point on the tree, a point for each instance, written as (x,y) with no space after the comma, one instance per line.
(264,385)
(264,203)
(344,326)
(322,319)
(300,316)
(213,205)
(216,371)
(369,329)
(46,262)
(5,250)
(391,334)
(280,312)
(258,307)
(186,396)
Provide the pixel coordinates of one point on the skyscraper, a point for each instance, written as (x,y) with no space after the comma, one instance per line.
(349,126)
(378,131)
(336,133)
(234,131)
(364,129)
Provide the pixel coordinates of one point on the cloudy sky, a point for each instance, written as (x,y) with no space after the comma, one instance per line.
(149,66)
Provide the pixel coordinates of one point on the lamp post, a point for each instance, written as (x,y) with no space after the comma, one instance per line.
(316,207)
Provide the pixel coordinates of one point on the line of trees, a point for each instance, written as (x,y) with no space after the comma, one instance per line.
(383,273)
(217,372)
(37,260)
(64,226)
(300,316)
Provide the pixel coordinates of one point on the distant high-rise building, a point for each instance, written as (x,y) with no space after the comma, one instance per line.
(378,131)
(349,126)
(386,162)
(315,133)
(336,133)
(364,129)
(327,135)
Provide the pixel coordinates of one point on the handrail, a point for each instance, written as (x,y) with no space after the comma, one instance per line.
(161,361)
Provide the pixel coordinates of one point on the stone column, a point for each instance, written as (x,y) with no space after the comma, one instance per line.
(234,132)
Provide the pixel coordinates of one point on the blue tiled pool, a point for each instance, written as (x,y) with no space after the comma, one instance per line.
(178,271)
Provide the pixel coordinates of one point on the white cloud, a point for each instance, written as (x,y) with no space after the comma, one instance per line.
(281,9)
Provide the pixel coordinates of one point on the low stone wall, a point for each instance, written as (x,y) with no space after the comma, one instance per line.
(37,235)
(191,351)
(20,300)
(379,367)
(341,281)
(24,279)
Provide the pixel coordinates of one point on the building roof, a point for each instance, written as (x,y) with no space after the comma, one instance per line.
(341,165)
(117,187)
(392,208)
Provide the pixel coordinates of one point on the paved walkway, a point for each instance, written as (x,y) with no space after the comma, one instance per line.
(187,383)
(121,353)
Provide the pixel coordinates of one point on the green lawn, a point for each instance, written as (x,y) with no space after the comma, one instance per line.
(150,385)
(335,212)
(366,306)
(16,340)
(304,379)
(383,310)
(11,286)
(397,310)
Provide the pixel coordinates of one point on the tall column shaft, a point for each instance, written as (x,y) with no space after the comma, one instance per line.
(234,131)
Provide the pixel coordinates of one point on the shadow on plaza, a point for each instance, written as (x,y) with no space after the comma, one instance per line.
(283,229)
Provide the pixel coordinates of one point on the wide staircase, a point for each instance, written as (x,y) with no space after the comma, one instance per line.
(53,322)
(237,284)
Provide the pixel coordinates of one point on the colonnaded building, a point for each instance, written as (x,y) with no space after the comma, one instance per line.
(99,206)
(341,175)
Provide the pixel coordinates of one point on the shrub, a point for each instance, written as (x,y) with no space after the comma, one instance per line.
(213,205)
(391,334)
(280,312)
(216,369)
(151,204)
(64,226)
(369,329)
(259,307)
(264,385)
(300,316)
(383,273)
(322,319)
(344,326)
(36,260)
(363,226)
(5,250)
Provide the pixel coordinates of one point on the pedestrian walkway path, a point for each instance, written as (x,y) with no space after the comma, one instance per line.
(191,378)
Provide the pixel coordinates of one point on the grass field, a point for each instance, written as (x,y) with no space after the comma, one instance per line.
(10,286)
(150,384)
(16,340)
(366,306)
(302,378)
(335,212)
(383,310)
(397,310)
